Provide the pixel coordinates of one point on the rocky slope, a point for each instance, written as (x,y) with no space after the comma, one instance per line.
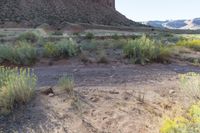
(59,13)
(192,24)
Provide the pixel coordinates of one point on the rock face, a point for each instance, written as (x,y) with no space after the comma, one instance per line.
(58,13)
(109,3)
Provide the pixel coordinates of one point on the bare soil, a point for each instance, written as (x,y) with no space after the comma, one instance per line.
(112,98)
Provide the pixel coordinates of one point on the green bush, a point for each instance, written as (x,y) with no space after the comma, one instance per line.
(57,33)
(102,57)
(94,44)
(142,50)
(64,48)
(115,37)
(51,50)
(24,54)
(16,87)
(6,53)
(90,46)
(89,36)
(29,37)
(21,54)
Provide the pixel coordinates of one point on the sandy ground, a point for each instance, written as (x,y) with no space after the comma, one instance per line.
(109,99)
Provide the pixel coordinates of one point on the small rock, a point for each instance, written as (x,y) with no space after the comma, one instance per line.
(171,92)
(75,70)
(113,92)
(94,99)
(51,95)
(47,91)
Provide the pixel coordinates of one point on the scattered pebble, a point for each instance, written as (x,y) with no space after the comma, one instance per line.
(51,95)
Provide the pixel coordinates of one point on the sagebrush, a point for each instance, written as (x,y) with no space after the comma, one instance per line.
(63,48)
(21,54)
(142,50)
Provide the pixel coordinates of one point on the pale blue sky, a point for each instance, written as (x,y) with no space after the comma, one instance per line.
(144,10)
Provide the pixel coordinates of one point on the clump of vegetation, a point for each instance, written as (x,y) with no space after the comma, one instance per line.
(89,36)
(135,37)
(102,57)
(17,86)
(63,48)
(51,50)
(190,85)
(93,45)
(21,54)
(24,54)
(29,37)
(6,53)
(115,37)
(57,33)
(188,123)
(89,46)
(142,50)
(190,43)
(67,83)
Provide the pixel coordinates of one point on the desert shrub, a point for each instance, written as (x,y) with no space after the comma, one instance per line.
(57,33)
(191,43)
(188,123)
(94,44)
(16,87)
(135,37)
(21,54)
(89,36)
(142,50)
(190,85)
(63,48)
(6,53)
(102,57)
(89,45)
(67,47)
(67,83)
(24,54)
(29,37)
(115,37)
(51,50)
(77,34)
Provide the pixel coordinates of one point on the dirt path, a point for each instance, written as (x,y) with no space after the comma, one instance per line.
(94,75)
(111,99)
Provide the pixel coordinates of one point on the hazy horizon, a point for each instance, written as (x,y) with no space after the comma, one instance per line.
(143,10)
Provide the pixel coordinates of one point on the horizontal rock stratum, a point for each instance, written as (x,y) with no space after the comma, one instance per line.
(58,13)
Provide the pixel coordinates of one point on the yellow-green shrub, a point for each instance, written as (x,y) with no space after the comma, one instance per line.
(16,87)
(142,50)
(188,123)
(191,43)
